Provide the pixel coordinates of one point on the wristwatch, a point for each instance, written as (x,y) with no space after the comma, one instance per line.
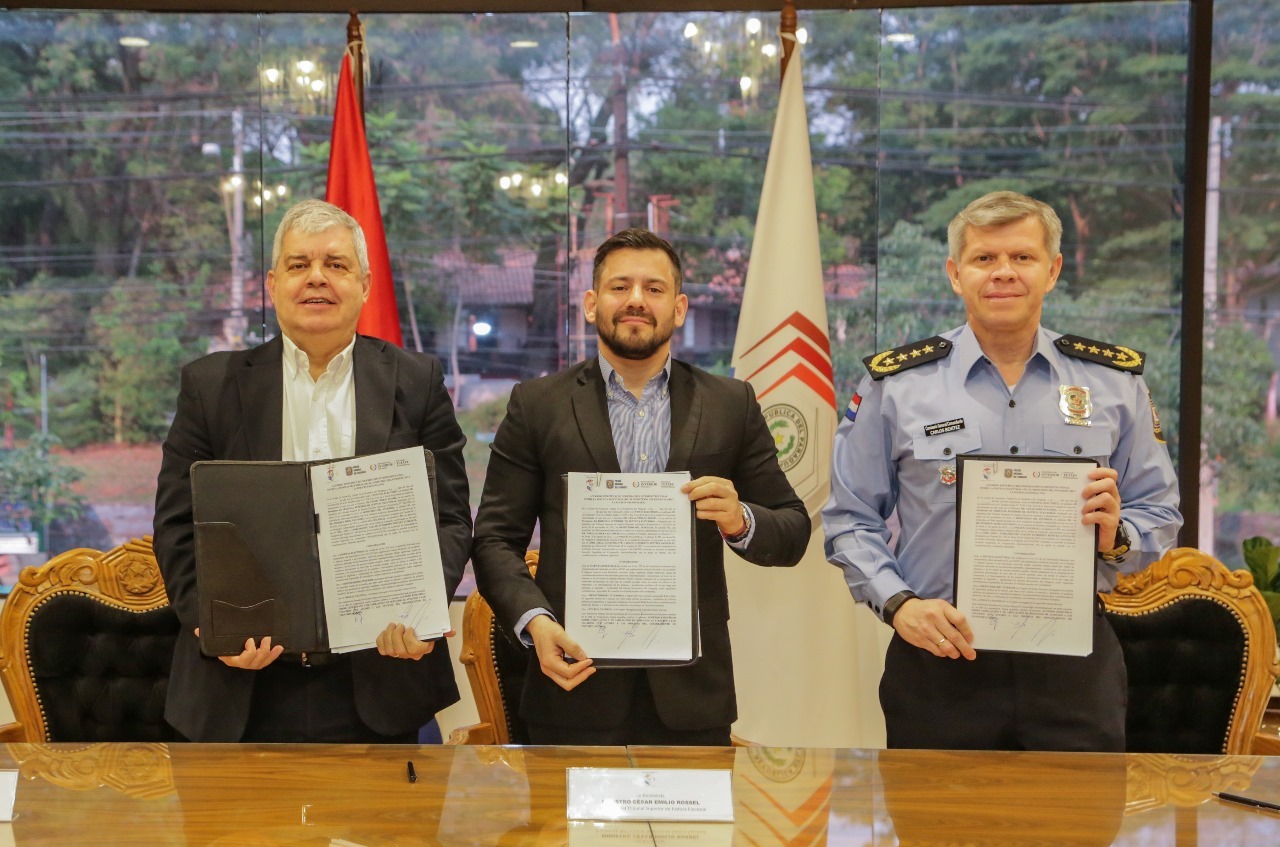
(1122,545)
(741,534)
(894,603)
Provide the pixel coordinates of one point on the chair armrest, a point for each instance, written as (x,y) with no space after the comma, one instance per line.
(473,735)
(13,731)
(1266,744)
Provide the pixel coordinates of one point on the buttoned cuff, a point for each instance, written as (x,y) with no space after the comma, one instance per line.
(523,623)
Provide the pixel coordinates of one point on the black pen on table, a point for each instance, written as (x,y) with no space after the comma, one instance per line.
(1247,801)
(413,775)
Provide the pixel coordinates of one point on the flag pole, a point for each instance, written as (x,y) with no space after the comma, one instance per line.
(355,46)
(787,26)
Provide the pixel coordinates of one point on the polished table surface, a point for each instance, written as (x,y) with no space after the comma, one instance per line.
(360,795)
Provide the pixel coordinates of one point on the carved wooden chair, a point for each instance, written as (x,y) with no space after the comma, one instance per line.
(86,642)
(1200,646)
(495,669)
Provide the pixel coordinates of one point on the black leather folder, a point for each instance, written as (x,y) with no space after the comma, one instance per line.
(257,558)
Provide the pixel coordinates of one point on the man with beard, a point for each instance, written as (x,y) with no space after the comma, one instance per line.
(631,409)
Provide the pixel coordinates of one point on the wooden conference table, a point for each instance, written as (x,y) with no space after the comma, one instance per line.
(340,796)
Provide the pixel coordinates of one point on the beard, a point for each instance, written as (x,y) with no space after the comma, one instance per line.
(625,343)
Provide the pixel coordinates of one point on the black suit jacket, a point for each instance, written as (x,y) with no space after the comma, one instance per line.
(560,423)
(231,407)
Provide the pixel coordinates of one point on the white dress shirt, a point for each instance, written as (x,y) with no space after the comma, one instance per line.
(319,414)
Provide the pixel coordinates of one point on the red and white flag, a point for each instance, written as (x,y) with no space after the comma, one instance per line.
(351,188)
(782,347)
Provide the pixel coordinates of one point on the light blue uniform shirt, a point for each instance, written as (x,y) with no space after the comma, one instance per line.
(884,459)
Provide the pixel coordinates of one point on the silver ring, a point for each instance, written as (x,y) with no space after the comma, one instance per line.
(943,641)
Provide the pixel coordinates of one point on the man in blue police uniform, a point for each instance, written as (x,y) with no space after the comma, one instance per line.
(1000,384)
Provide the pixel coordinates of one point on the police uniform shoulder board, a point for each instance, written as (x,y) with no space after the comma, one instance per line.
(1111,355)
(907,356)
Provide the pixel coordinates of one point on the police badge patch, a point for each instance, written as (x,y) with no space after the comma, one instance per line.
(1155,420)
(1075,404)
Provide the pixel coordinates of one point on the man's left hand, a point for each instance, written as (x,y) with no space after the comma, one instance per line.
(716,500)
(401,642)
(1102,506)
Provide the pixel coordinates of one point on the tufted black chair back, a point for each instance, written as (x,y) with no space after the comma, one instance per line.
(1199,645)
(1186,664)
(86,642)
(101,671)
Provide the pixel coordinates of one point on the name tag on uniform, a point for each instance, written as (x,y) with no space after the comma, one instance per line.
(943,427)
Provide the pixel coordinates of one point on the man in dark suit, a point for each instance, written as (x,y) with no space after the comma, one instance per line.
(631,409)
(317,391)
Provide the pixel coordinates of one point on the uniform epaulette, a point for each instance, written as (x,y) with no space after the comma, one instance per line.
(907,356)
(1111,355)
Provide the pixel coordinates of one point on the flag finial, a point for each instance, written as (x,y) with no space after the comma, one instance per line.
(787,27)
(355,47)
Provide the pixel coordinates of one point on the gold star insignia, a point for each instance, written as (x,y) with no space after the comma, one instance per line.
(1094,350)
(902,357)
(915,354)
(1108,353)
(928,348)
(1078,346)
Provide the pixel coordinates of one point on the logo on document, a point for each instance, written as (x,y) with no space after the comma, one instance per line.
(330,473)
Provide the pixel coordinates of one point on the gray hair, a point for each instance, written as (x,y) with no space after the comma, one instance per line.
(999,208)
(312,216)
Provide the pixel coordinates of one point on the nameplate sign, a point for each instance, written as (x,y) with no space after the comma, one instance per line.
(8,793)
(633,794)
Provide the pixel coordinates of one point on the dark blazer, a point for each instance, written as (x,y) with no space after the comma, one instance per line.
(560,423)
(231,407)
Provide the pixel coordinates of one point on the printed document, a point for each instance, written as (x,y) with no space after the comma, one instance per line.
(629,579)
(1025,571)
(379,549)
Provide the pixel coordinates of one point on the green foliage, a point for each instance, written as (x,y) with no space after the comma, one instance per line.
(38,482)
(479,425)
(116,236)
(1263,560)
(138,371)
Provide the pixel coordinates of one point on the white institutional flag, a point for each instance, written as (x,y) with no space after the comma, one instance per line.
(782,347)
(815,655)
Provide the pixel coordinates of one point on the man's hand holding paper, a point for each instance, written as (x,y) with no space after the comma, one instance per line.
(716,500)
(1102,506)
(553,645)
(401,642)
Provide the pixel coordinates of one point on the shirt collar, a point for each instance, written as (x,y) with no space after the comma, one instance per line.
(968,352)
(614,382)
(296,360)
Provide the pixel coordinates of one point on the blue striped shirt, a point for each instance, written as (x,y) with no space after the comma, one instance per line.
(641,426)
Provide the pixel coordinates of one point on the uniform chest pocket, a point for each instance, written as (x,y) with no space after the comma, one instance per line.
(931,471)
(943,448)
(1094,442)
